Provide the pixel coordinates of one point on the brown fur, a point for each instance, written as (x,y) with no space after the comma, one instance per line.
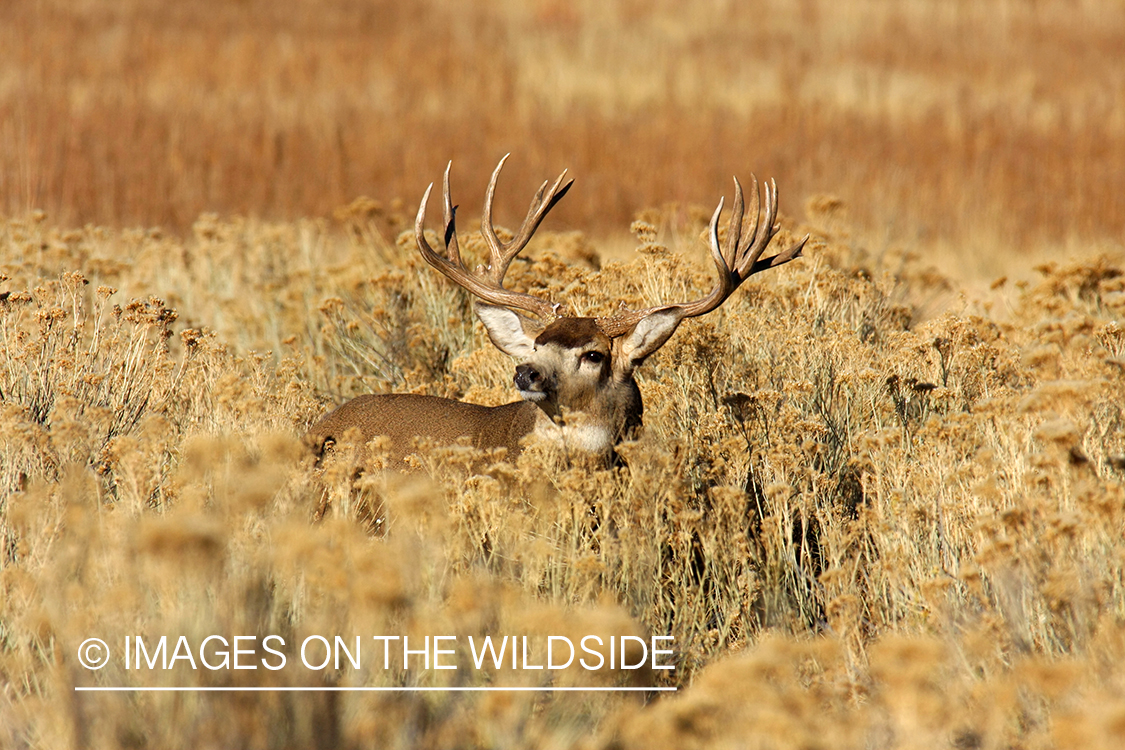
(572,333)
(403,416)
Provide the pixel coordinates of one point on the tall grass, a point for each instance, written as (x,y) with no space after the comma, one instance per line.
(973,130)
(865,524)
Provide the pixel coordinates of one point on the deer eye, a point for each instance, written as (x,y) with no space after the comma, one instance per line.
(594,358)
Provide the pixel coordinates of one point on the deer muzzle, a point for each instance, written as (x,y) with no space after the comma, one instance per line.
(531,383)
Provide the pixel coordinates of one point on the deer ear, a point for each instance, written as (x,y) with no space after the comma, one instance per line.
(506,329)
(650,333)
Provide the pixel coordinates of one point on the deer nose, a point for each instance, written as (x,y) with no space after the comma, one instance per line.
(526,377)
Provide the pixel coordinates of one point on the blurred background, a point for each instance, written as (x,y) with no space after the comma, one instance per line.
(980,131)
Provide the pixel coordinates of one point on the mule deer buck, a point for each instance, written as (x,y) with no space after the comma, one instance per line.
(575,374)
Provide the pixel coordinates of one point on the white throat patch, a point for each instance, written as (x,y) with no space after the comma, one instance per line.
(591,438)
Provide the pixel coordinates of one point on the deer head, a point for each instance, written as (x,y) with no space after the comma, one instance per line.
(577,370)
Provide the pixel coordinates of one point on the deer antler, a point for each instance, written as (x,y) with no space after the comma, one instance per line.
(735,262)
(487,282)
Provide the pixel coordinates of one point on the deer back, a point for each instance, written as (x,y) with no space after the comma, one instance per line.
(403,417)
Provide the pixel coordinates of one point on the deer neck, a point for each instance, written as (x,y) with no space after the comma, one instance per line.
(596,426)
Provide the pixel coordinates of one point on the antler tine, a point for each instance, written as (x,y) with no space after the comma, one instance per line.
(776,260)
(486,286)
(501,253)
(539,207)
(734,226)
(424,248)
(449,214)
(498,262)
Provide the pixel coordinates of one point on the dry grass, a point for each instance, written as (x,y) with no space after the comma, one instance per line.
(874,506)
(966,130)
(864,529)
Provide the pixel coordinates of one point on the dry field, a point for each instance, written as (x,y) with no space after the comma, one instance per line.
(875,505)
(965,129)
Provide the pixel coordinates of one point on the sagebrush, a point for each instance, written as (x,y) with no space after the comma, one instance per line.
(871,513)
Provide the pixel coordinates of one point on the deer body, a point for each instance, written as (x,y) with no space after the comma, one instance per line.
(575,374)
(403,416)
(572,397)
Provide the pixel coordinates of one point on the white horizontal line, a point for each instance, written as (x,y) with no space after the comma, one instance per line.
(116,689)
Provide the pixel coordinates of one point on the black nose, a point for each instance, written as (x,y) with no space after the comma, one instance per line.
(526,377)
